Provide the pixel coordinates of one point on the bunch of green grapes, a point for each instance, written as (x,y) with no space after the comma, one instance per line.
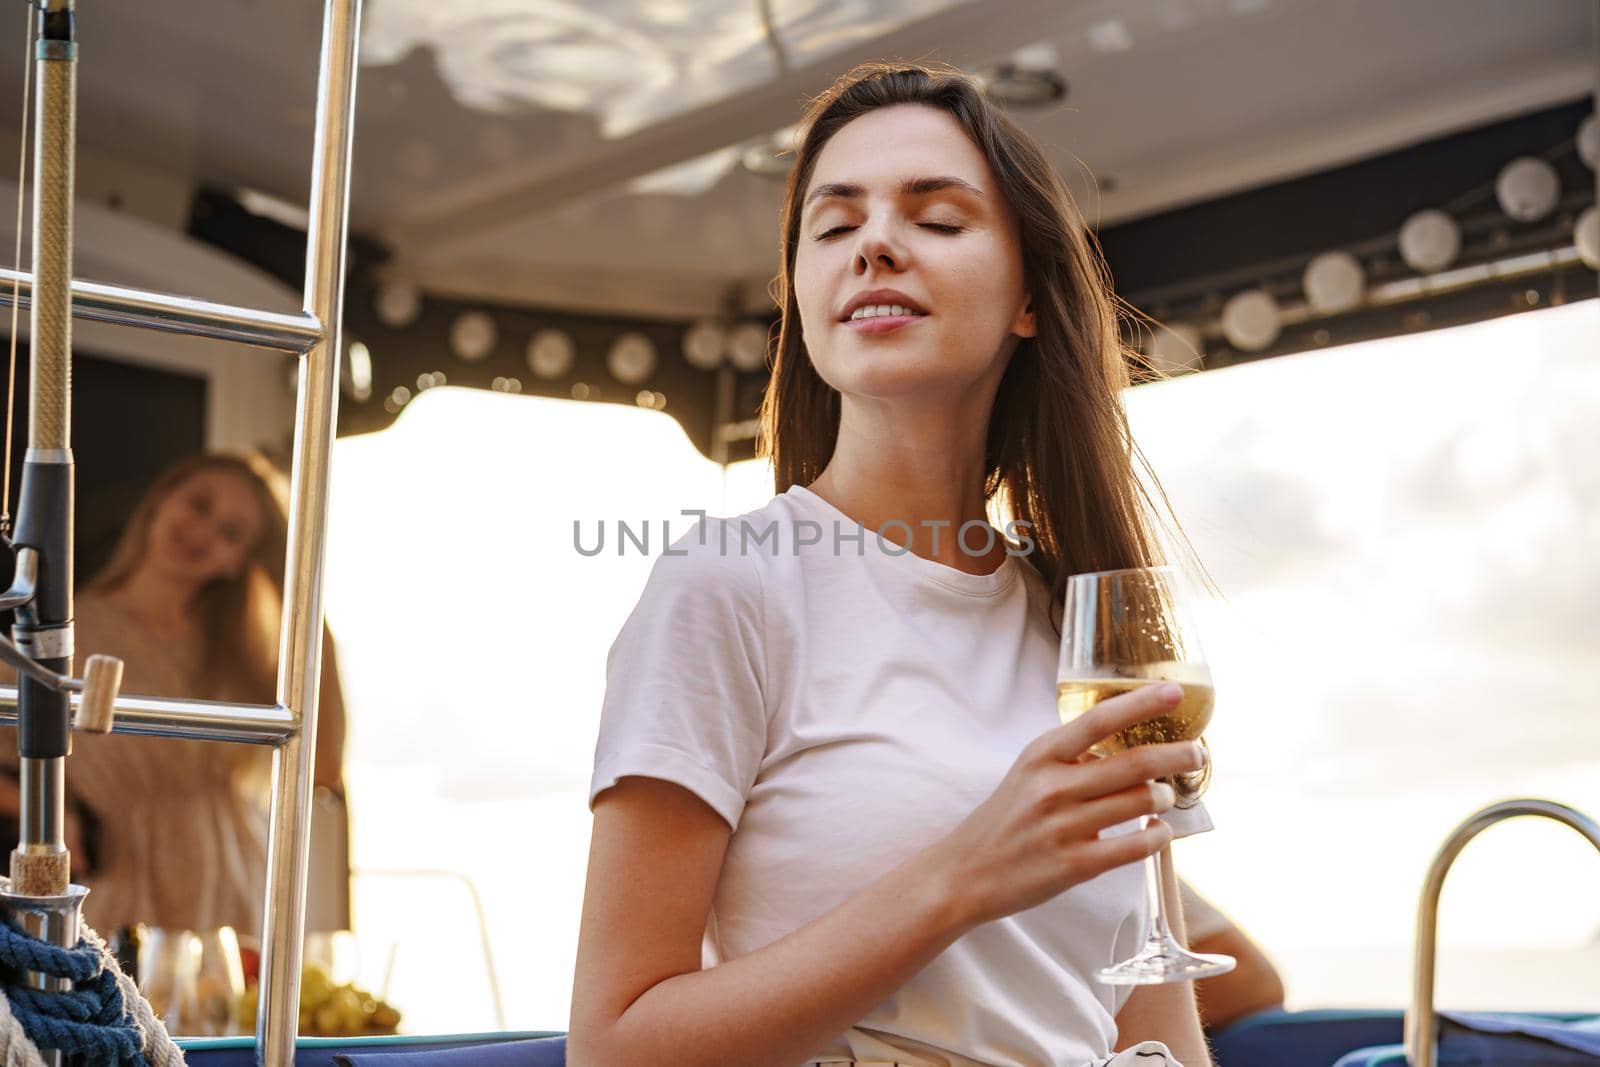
(326,1009)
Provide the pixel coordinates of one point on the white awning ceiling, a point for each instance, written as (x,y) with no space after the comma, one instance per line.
(630,64)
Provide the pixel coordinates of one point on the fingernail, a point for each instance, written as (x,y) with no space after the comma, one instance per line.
(1197,753)
(1171,691)
(1165,795)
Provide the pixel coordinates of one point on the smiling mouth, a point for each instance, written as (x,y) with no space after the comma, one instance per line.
(888,308)
(882,318)
(188,552)
(876,324)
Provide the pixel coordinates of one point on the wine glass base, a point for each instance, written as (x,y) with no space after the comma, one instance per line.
(1165,961)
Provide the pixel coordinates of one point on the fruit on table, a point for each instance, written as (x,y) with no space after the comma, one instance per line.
(250,963)
(327,1009)
(316,985)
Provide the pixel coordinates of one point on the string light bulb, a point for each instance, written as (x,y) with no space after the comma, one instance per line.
(472,336)
(1250,320)
(1430,241)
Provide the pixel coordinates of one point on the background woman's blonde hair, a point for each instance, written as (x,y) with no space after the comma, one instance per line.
(238,616)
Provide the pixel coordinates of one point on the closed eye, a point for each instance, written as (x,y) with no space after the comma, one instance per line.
(936,227)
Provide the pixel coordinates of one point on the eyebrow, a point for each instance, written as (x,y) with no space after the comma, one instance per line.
(909,187)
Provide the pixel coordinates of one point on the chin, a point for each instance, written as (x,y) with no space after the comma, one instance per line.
(886,376)
(182,571)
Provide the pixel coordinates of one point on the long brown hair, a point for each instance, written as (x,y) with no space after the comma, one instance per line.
(1058,452)
(238,616)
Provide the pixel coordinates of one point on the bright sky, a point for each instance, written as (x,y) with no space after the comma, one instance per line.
(1405,535)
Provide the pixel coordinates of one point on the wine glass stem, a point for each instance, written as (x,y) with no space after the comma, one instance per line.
(1159,929)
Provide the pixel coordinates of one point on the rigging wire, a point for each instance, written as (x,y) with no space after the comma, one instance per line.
(16,281)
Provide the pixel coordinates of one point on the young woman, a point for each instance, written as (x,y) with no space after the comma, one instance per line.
(835,820)
(190,601)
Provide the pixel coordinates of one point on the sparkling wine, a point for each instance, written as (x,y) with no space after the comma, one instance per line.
(1186,722)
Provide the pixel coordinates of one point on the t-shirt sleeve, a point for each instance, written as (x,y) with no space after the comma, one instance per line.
(684,698)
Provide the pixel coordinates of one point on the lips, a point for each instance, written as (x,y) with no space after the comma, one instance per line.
(882,323)
(185,551)
(882,298)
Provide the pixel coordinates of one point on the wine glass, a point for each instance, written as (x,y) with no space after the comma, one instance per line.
(219,981)
(1124,629)
(192,980)
(169,964)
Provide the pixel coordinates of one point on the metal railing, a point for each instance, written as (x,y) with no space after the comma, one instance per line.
(315,335)
(1422,1025)
(169,313)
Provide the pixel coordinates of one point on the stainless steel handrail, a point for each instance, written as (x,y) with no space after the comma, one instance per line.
(314,334)
(195,720)
(168,313)
(300,640)
(1421,1031)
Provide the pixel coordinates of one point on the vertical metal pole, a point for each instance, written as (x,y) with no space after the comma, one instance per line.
(40,899)
(300,662)
(39,866)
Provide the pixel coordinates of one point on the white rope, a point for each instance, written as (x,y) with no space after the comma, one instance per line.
(159,1049)
(16,1047)
(18,1050)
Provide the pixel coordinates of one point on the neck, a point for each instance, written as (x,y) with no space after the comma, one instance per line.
(901,466)
(157,596)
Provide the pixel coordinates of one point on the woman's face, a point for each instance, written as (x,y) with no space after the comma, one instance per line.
(902,217)
(205,528)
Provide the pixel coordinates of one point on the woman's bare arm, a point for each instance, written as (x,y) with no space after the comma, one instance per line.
(641,999)
(1252,986)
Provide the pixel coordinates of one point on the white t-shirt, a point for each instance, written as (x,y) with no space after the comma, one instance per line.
(844,705)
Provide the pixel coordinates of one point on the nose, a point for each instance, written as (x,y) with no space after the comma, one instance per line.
(877,250)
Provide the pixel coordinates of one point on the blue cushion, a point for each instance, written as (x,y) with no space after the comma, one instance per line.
(1499,1041)
(544,1052)
(325,1051)
(1279,1038)
(1581,1034)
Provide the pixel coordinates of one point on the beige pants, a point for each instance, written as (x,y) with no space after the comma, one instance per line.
(1144,1054)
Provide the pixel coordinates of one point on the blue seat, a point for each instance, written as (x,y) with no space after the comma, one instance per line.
(1481,1039)
(520,1049)
(1267,1039)
(1303,1038)
(1373,1039)
(540,1052)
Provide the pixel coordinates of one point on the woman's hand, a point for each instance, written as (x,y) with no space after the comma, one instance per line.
(1038,833)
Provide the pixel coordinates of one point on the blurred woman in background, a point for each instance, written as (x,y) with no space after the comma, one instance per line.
(174,833)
